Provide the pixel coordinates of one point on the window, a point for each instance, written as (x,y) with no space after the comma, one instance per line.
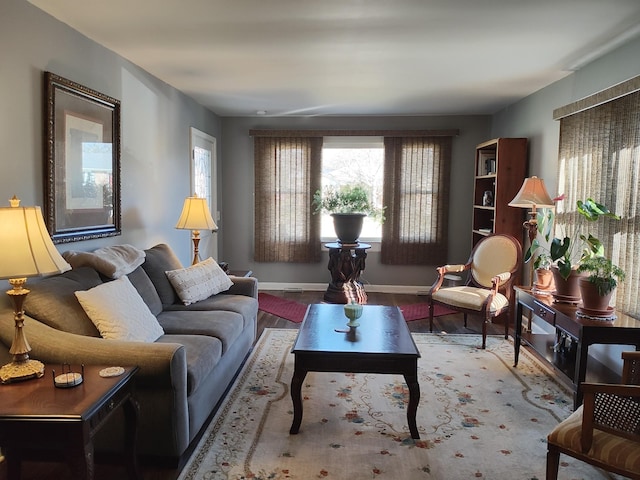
(287,172)
(600,158)
(349,160)
(415,191)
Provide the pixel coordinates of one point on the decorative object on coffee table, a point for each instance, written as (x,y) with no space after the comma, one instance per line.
(26,250)
(195,216)
(353,311)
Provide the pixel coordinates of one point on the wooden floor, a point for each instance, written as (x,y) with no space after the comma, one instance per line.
(448,324)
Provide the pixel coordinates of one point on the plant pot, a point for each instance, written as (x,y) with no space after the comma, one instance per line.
(544,280)
(567,291)
(591,299)
(348,227)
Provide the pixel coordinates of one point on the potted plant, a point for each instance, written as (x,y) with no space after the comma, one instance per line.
(543,283)
(571,248)
(348,205)
(597,288)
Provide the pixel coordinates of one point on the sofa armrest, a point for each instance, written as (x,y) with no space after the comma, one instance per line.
(163,365)
(247,286)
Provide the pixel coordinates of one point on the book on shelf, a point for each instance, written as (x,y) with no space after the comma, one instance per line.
(486,231)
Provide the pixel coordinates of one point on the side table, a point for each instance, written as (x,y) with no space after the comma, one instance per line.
(35,415)
(346,263)
(624,330)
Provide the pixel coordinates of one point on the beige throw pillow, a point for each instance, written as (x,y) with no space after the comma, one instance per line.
(199,281)
(119,313)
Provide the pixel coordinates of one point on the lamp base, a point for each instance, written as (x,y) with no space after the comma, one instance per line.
(21,370)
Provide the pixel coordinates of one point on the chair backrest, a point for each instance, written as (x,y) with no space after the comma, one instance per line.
(631,368)
(494,254)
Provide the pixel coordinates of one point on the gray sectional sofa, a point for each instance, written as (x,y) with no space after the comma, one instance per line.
(183,374)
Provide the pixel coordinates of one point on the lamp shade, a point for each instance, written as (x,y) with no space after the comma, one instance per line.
(533,193)
(195,215)
(26,249)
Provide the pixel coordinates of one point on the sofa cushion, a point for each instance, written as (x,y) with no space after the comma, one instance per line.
(158,260)
(52,301)
(226,326)
(119,313)
(146,289)
(203,354)
(199,281)
(245,306)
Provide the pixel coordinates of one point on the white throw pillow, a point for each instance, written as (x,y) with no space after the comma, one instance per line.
(119,312)
(199,281)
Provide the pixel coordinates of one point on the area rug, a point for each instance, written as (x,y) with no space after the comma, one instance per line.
(478,418)
(295,311)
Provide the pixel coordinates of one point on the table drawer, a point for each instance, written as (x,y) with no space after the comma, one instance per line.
(544,312)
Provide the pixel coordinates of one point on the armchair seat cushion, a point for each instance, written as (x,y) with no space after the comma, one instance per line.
(470,298)
(609,449)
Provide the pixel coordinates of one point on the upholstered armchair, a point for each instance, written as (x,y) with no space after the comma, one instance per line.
(491,271)
(605,430)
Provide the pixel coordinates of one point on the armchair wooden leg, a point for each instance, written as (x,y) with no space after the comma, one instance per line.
(431,317)
(553,462)
(465,320)
(484,334)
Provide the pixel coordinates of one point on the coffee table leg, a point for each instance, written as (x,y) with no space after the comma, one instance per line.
(296,398)
(414,398)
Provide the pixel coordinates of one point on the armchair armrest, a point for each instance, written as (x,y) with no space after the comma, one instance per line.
(612,408)
(443,270)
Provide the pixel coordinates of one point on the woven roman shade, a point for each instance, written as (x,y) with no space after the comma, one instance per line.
(416,194)
(287,173)
(599,158)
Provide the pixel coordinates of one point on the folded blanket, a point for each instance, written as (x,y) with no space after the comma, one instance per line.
(112,262)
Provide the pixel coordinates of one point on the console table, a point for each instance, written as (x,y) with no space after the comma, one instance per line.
(36,416)
(625,330)
(346,263)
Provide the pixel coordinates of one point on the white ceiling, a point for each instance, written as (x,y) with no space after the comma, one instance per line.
(354,57)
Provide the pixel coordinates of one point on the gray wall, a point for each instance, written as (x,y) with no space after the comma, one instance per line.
(155,125)
(237,198)
(532,117)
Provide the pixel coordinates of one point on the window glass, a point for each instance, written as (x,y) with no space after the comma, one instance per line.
(349,160)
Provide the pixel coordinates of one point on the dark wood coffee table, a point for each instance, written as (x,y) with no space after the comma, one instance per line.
(381,344)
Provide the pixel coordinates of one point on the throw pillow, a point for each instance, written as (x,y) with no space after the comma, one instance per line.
(119,313)
(199,281)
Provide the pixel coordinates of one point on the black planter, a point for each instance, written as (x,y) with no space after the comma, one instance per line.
(348,226)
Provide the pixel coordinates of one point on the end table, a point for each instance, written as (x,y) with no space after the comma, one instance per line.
(36,413)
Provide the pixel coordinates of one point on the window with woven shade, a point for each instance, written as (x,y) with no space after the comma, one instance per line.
(287,172)
(416,194)
(599,158)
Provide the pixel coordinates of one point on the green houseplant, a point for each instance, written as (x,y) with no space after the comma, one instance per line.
(597,288)
(348,205)
(603,273)
(347,199)
(570,249)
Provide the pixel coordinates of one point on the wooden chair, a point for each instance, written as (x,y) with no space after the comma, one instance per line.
(492,268)
(605,430)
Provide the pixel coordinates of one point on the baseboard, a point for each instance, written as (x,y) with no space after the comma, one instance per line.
(321,287)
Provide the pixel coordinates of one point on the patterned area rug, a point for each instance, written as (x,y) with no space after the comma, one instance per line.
(478,418)
(295,311)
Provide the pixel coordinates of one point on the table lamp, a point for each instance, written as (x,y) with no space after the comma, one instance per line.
(26,250)
(195,216)
(533,194)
